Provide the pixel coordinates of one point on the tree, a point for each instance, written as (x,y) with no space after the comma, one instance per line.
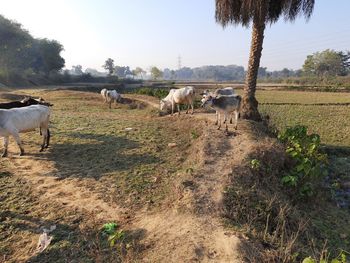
(77,70)
(20,52)
(109,66)
(172,74)
(156,73)
(259,13)
(327,63)
(47,56)
(138,72)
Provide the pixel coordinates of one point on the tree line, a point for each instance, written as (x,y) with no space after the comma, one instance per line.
(22,54)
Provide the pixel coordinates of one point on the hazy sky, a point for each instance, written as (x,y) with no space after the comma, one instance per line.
(155,32)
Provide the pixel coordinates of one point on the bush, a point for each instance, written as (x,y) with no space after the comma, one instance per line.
(154,92)
(309,164)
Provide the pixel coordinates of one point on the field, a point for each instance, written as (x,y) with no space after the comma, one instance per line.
(117,166)
(325,113)
(92,151)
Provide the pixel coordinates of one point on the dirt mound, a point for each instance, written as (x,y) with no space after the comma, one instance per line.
(133,104)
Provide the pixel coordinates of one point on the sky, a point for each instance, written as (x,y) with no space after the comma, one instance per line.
(156,32)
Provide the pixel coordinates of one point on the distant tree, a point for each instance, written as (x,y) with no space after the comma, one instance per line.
(138,72)
(327,63)
(259,13)
(286,73)
(262,72)
(184,73)
(77,70)
(156,73)
(172,74)
(109,66)
(127,71)
(345,57)
(20,52)
(120,71)
(15,46)
(94,72)
(48,58)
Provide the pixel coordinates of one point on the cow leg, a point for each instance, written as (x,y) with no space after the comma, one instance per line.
(6,144)
(219,121)
(44,140)
(236,119)
(192,108)
(48,139)
(110,104)
(19,143)
(188,108)
(172,108)
(225,117)
(216,117)
(178,108)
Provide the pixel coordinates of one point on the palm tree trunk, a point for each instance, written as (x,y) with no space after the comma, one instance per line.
(249,109)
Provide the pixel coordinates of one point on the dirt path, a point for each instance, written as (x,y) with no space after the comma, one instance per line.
(191,229)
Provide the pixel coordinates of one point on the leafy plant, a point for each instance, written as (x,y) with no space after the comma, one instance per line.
(114,235)
(255,164)
(309,163)
(154,92)
(341,258)
(194,134)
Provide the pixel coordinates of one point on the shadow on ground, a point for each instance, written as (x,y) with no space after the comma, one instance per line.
(101,155)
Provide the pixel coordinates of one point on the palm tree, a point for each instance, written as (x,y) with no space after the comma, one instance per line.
(260,12)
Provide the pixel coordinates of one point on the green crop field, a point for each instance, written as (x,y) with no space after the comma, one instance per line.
(325,113)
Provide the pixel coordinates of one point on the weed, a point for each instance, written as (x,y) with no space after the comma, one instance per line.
(341,258)
(115,235)
(255,164)
(309,164)
(194,134)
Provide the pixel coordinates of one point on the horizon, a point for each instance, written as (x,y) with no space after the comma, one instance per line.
(153,34)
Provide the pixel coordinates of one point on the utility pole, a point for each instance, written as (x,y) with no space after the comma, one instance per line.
(179,62)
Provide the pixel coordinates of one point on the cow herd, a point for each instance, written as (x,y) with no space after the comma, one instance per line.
(224,101)
(28,114)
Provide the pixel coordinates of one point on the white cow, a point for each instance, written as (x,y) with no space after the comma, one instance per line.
(113,95)
(225,104)
(184,95)
(17,120)
(228,91)
(104,94)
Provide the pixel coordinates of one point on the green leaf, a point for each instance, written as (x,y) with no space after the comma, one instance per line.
(109,228)
(309,260)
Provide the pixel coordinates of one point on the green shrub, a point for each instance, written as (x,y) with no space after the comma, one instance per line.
(115,236)
(341,258)
(154,92)
(309,164)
